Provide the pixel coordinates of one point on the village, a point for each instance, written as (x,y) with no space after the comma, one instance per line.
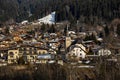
(26,43)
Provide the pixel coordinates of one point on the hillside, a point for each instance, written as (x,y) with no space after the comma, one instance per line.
(72,10)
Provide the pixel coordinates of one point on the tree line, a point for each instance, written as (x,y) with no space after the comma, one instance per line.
(102,71)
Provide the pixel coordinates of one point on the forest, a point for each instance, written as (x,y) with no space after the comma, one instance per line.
(87,11)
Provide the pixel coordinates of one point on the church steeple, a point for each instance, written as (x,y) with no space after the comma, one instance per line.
(68,38)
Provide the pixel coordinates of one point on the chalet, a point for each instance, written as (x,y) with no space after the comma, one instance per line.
(77,51)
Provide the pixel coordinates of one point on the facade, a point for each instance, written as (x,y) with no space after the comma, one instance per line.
(28,53)
(77,51)
(42,51)
(67,42)
(13,55)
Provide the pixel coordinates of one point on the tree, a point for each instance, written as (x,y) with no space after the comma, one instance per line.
(43,27)
(118,29)
(101,35)
(106,29)
(21,60)
(65,31)
(90,51)
(90,37)
(7,30)
(52,29)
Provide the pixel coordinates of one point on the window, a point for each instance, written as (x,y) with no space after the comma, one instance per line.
(34,48)
(12,60)
(20,49)
(32,57)
(25,52)
(73,50)
(39,52)
(24,49)
(73,54)
(43,52)
(11,56)
(28,48)
(80,54)
(11,53)
(80,50)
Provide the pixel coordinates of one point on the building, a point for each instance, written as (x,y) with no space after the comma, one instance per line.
(104,52)
(29,54)
(77,51)
(67,42)
(13,56)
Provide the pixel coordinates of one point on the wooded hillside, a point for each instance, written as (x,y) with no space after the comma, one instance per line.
(72,10)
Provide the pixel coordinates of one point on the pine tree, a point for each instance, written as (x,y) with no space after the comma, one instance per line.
(43,28)
(52,29)
(101,35)
(118,29)
(106,29)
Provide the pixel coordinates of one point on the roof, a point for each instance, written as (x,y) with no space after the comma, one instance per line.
(45,56)
(73,46)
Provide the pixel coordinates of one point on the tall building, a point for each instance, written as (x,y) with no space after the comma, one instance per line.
(67,42)
(67,39)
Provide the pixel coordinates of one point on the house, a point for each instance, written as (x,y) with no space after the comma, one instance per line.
(53,35)
(28,52)
(104,52)
(3,54)
(54,44)
(68,42)
(13,55)
(77,51)
(52,51)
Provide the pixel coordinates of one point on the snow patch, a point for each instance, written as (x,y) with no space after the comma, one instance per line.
(49,19)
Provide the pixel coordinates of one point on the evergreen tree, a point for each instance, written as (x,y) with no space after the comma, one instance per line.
(118,29)
(65,31)
(21,60)
(101,35)
(106,29)
(43,28)
(52,29)
(18,10)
